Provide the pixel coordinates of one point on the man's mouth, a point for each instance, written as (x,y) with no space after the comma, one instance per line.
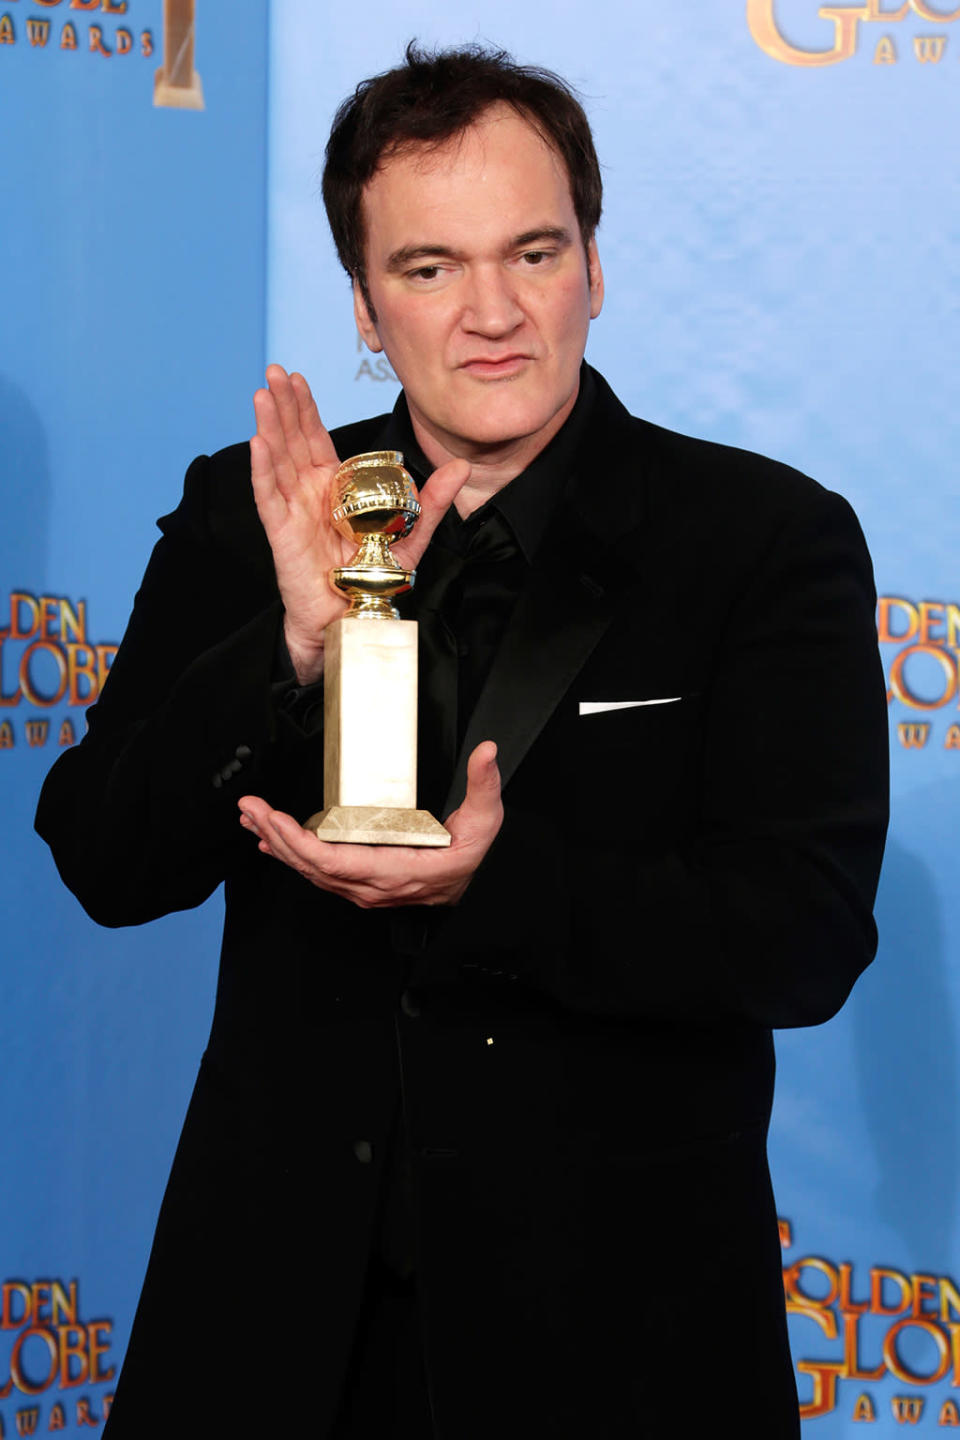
(494,367)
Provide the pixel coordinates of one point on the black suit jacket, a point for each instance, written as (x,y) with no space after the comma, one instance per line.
(582,1046)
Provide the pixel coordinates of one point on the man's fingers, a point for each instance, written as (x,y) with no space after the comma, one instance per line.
(435,499)
(317,436)
(288,409)
(271,505)
(270,430)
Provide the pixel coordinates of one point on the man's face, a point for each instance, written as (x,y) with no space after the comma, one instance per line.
(482,291)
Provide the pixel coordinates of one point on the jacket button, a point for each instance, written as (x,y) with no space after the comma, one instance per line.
(363,1151)
(409,1005)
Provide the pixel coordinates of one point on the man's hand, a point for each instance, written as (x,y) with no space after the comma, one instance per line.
(377,876)
(292,465)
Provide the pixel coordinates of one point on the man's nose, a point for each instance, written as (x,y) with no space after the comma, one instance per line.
(492,307)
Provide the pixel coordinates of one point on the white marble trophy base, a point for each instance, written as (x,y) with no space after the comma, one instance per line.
(366,825)
(370,737)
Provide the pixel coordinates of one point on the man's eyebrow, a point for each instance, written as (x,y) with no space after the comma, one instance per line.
(558,234)
(407,255)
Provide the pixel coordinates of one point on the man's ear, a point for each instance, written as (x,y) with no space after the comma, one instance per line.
(595,276)
(364,319)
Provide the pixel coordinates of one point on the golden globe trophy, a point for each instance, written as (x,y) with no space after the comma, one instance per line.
(370,669)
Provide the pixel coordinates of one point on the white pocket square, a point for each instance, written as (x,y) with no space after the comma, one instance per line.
(596,707)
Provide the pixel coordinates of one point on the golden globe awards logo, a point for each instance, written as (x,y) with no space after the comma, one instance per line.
(98,33)
(176,83)
(49,1353)
(47,659)
(868,1327)
(771,25)
(920,642)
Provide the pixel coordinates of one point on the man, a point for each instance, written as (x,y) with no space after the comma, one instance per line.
(480,1133)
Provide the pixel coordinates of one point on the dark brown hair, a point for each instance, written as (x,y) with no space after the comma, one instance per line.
(433,96)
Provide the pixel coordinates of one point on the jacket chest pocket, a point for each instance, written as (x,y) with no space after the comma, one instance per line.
(639,764)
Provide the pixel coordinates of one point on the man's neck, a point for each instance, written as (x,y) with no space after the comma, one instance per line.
(491,466)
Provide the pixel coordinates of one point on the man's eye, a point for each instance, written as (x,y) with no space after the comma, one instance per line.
(535,257)
(426,272)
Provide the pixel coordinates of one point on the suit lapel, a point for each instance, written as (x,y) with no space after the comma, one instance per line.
(572,595)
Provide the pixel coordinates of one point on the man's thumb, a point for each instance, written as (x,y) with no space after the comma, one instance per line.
(481,809)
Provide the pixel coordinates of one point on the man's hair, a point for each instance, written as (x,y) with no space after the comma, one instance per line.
(432,97)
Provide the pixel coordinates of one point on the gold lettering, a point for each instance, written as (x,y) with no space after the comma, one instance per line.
(926,12)
(952,742)
(124,39)
(824,1377)
(19,599)
(105,654)
(877,1277)
(845,19)
(6,735)
(36,732)
(949,1299)
(885,632)
(876,11)
(796,1294)
(929,48)
(863,1409)
(852,1368)
(33,695)
(68,37)
(899,1368)
(73,622)
(898,681)
(924,1288)
(847,1304)
(885,53)
(9,1320)
(64,1302)
(73,1346)
(96,41)
(24,1384)
(17,695)
(83,1414)
(7,36)
(81,669)
(907,1409)
(67,736)
(58,1418)
(948,1413)
(38,32)
(913,737)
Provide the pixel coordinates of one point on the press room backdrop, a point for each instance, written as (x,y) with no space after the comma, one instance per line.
(781,243)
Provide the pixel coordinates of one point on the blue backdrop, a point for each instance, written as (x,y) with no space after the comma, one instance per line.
(781,244)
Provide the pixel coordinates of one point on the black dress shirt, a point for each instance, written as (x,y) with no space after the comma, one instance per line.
(468,582)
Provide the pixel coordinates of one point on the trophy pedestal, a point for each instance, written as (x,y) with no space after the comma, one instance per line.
(366,825)
(370,737)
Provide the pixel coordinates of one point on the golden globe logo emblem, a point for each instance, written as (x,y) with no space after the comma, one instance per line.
(846,21)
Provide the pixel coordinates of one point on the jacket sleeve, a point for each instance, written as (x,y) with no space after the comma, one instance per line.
(141,816)
(763,911)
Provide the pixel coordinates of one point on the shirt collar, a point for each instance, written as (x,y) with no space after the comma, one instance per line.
(528,502)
